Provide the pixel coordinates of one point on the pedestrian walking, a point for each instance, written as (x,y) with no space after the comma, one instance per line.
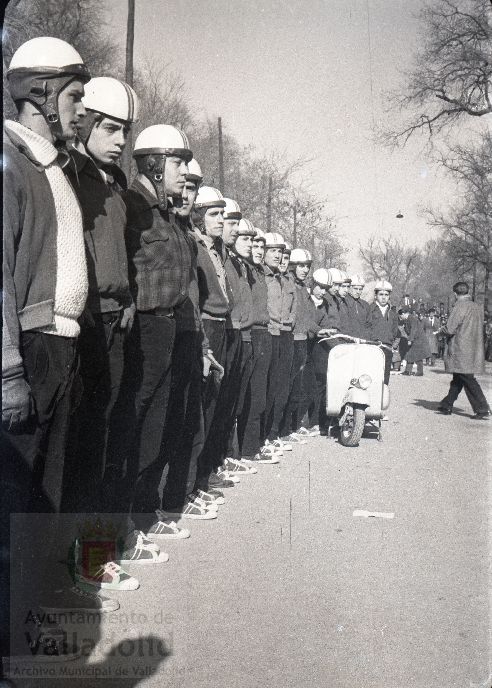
(418,346)
(465,354)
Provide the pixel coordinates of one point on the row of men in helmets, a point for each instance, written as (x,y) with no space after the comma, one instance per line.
(152,336)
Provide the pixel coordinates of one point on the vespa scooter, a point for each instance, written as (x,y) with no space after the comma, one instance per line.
(355,389)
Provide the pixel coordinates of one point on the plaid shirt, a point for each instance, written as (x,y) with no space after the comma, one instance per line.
(160,253)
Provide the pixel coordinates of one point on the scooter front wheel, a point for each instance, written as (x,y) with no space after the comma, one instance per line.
(353,426)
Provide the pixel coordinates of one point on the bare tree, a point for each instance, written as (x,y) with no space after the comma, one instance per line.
(466,224)
(389,258)
(451,72)
(79,22)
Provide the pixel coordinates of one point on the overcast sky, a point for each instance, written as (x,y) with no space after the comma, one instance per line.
(304,78)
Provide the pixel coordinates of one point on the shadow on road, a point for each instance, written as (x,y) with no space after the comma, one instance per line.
(433,406)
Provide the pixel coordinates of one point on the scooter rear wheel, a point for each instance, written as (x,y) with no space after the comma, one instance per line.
(353,427)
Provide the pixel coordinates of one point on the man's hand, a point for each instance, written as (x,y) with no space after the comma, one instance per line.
(327,332)
(17,403)
(127,318)
(209,364)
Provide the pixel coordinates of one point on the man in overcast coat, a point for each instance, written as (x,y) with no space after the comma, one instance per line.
(465,354)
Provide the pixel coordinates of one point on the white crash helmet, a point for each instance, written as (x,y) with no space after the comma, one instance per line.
(209,197)
(383,285)
(152,146)
(39,70)
(274,240)
(322,277)
(345,277)
(335,276)
(246,228)
(163,139)
(194,173)
(287,248)
(300,255)
(260,235)
(232,211)
(111,97)
(357,280)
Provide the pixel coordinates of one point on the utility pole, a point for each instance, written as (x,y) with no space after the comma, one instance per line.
(269,204)
(126,161)
(221,158)
(294,233)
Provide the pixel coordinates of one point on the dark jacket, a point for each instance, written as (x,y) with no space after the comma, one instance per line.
(333,312)
(159,252)
(419,346)
(382,327)
(259,295)
(29,250)
(212,300)
(239,280)
(432,325)
(288,308)
(358,311)
(306,325)
(104,216)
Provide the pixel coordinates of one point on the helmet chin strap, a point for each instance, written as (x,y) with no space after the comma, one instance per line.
(154,170)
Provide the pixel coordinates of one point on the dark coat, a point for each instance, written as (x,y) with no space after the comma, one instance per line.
(465,338)
(431,325)
(358,311)
(419,346)
(382,327)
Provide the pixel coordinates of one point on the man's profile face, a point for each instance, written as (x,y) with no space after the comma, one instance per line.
(284,263)
(356,291)
(70,108)
(258,252)
(190,192)
(175,175)
(214,222)
(230,232)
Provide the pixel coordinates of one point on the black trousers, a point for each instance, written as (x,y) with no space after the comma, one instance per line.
(245,370)
(184,432)
(31,474)
(230,392)
(473,391)
(317,407)
(95,427)
(216,335)
(251,418)
(292,415)
(144,397)
(279,381)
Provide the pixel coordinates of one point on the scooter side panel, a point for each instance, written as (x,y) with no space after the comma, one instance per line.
(347,361)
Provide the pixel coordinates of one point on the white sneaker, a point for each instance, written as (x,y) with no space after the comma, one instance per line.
(238,466)
(142,551)
(165,528)
(280,444)
(226,475)
(265,456)
(109,577)
(269,447)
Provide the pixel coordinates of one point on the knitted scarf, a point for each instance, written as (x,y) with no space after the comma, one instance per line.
(71,269)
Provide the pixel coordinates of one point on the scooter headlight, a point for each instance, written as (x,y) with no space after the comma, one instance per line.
(364,381)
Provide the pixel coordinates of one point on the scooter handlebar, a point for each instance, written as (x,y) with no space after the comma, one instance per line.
(356,340)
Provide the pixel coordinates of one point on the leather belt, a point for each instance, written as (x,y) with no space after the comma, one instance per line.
(160,312)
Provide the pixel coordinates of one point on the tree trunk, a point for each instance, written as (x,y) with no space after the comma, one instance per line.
(269,204)
(221,158)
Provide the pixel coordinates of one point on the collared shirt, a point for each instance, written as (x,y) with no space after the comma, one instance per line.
(217,261)
(159,252)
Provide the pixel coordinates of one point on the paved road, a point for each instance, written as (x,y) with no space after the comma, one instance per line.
(288,589)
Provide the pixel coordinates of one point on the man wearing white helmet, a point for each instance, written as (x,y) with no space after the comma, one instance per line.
(382,322)
(238,266)
(284,263)
(44,293)
(281,307)
(357,306)
(232,216)
(160,257)
(343,309)
(305,327)
(216,304)
(314,378)
(192,358)
(252,418)
(112,108)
